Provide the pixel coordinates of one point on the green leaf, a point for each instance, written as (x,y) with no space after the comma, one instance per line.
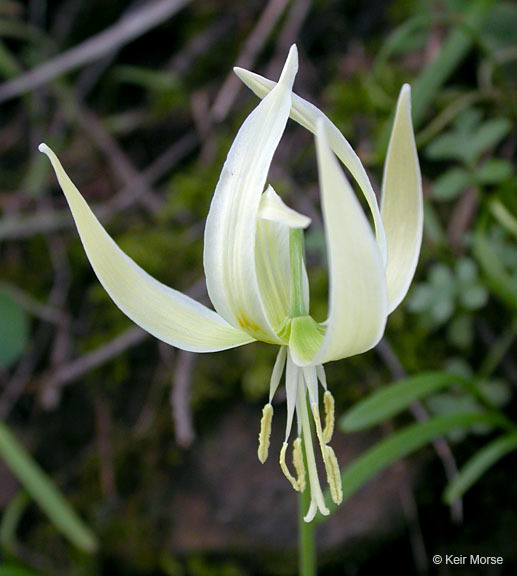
(494,171)
(11,517)
(151,79)
(498,30)
(474,297)
(460,331)
(488,135)
(44,492)
(453,51)
(478,465)
(500,282)
(395,398)
(400,445)
(448,146)
(504,217)
(450,185)
(14,330)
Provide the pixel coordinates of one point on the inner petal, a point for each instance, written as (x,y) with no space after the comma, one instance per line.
(272,257)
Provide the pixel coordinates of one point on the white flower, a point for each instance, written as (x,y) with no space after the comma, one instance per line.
(255,271)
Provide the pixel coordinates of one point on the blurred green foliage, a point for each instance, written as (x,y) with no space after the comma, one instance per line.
(14,330)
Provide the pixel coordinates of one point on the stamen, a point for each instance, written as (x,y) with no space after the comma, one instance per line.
(328,401)
(278,370)
(265,432)
(291,385)
(333,475)
(311,381)
(285,469)
(319,431)
(317,499)
(298,464)
(320,371)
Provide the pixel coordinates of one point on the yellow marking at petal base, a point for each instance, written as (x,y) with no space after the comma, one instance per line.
(285,469)
(298,464)
(328,401)
(333,475)
(254,329)
(246,324)
(265,432)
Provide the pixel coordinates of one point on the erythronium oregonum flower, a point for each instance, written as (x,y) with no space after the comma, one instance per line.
(255,270)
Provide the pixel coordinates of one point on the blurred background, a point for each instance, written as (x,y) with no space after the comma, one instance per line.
(122,456)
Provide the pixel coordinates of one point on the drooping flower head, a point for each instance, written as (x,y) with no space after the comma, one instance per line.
(255,270)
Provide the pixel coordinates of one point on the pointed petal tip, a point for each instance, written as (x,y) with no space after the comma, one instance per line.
(290,67)
(293,51)
(404,98)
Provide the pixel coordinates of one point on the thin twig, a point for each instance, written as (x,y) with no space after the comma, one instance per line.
(124,31)
(289,35)
(462,219)
(64,375)
(41,310)
(74,370)
(410,510)
(252,47)
(105,449)
(32,356)
(117,158)
(46,221)
(440,445)
(198,45)
(180,398)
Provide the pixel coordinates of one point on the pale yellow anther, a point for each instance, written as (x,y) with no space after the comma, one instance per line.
(328,401)
(285,469)
(265,432)
(319,432)
(333,475)
(298,464)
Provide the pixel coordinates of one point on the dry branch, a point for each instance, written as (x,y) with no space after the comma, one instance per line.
(124,31)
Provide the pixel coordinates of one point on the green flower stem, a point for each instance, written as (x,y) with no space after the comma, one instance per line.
(296,258)
(306,542)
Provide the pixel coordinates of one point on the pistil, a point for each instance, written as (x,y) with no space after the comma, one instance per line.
(317,499)
(296,260)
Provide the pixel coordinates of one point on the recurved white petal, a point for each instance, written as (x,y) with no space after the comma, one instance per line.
(272,256)
(230,234)
(272,269)
(163,312)
(307,115)
(357,285)
(402,203)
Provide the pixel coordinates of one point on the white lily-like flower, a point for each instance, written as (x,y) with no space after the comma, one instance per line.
(255,271)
